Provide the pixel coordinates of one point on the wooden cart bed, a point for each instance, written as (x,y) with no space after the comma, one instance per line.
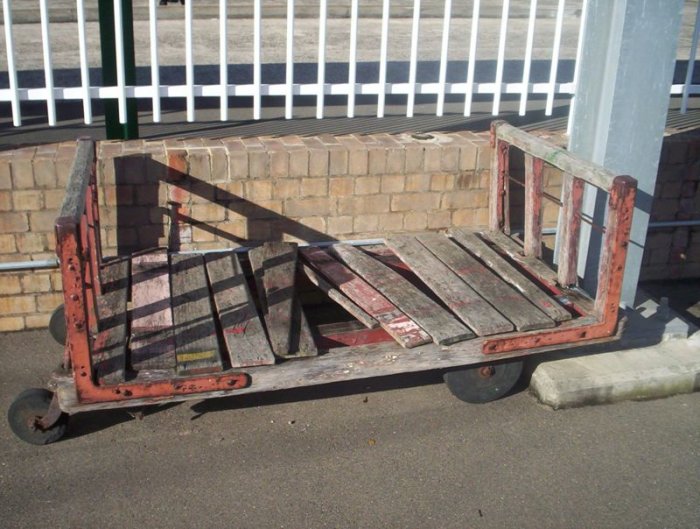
(158,326)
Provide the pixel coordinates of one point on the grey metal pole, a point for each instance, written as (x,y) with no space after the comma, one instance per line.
(627,62)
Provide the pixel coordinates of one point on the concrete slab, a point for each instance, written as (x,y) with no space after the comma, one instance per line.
(669,368)
(657,356)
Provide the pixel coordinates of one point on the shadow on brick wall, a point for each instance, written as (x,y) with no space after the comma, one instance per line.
(158,205)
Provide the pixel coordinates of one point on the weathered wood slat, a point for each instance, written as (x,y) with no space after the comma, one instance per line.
(508,272)
(196,341)
(534,187)
(243,333)
(460,298)
(405,331)
(442,326)
(274,268)
(301,342)
(150,291)
(492,288)
(337,296)
(514,251)
(152,349)
(109,362)
(540,270)
(572,200)
(152,344)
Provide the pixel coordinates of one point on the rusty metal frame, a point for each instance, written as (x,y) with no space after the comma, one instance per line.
(621,190)
(77,247)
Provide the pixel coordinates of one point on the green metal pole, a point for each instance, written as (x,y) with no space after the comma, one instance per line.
(114,129)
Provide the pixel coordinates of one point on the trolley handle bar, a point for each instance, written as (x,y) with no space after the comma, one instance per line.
(554,155)
(82,170)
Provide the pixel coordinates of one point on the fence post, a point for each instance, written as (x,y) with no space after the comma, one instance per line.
(114,129)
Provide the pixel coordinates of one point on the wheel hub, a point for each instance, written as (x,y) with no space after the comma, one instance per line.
(487,371)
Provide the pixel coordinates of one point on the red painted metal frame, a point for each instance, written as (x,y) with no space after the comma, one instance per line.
(77,240)
(622,192)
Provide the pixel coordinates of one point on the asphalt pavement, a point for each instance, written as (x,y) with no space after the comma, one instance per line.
(399,452)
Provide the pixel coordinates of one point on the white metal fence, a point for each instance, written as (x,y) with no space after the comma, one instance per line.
(455,76)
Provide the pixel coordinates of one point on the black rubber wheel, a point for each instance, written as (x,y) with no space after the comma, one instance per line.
(484,383)
(57,325)
(31,404)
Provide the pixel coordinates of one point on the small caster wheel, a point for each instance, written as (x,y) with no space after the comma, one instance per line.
(29,407)
(57,325)
(485,383)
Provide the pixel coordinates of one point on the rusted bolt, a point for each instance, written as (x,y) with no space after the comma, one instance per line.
(231,382)
(78,325)
(486,371)
(74,297)
(71,267)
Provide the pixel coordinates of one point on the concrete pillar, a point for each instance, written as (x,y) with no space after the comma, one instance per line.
(627,61)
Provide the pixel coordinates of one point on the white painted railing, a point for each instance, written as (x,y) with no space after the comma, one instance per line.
(470,86)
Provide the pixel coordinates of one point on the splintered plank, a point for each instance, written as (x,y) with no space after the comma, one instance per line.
(337,296)
(109,356)
(455,293)
(405,331)
(150,291)
(196,343)
(505,299)
(301,341)
(508,272)
(243,333)
(437,322)
(274,268)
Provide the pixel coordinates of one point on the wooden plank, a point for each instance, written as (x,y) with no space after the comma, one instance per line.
(301,342)
(150,291)
(196,342)
(152,350)
(573,297)
(460,298)
(514,251)
(572,200)
(492,288)
(274,268)
(405,331)
(534,187)
(442,326)
(499,177)
(109,361)
(508,272)
(337,296)
(243,332)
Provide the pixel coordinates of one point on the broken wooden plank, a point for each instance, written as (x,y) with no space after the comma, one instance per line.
(196,341)
(492,288)
(150,291)
(152,350)
(337,296)
(301,342)
(274,268)
(572,201)
(109,358)
(444,328)
(508,272)
(459,297)
(243,333)
(405,331)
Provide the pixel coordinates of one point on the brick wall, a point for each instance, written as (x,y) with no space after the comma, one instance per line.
(235,192)
(675,252)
